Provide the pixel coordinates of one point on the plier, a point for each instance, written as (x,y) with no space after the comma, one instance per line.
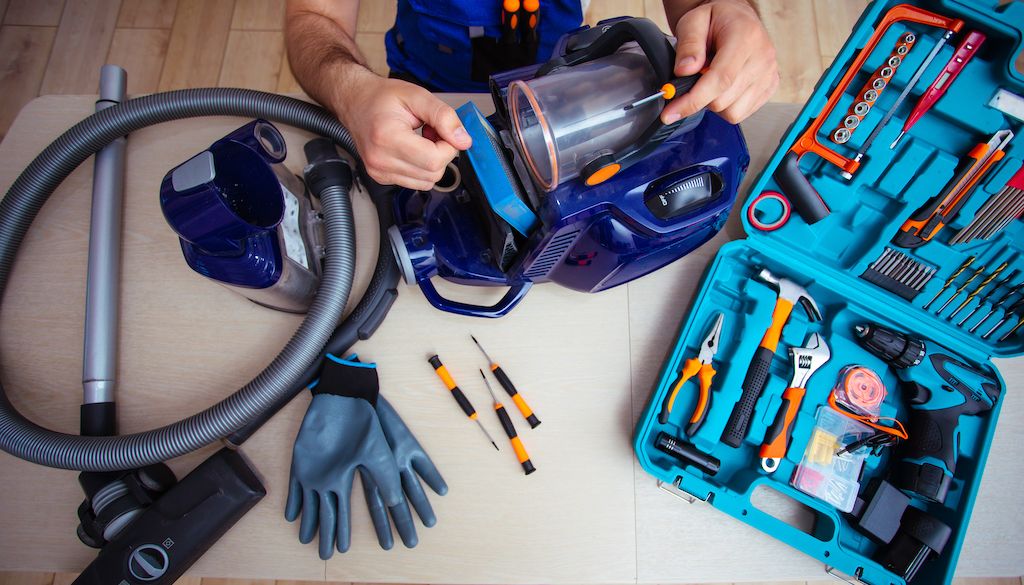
(702,367)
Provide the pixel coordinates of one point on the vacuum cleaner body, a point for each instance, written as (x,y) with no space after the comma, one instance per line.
(245,221)
(669,195)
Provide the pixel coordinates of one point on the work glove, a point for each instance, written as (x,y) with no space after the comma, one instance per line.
(412,461)
(339,434)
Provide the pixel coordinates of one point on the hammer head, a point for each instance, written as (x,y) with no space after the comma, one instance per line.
(807,359)
(793,293)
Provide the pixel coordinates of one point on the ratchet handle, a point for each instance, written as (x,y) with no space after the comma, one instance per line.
(776,441)
(753,385)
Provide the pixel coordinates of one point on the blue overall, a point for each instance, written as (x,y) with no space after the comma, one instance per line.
(431,39)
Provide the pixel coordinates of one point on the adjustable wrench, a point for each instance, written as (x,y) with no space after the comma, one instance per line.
(806,361)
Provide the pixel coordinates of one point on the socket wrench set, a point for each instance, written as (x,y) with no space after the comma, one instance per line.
(841,354)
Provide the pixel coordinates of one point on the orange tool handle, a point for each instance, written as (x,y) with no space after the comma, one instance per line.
(449,382)
(700,412)
(776,442)
(517,444)
(689,370)
(517,398)
(937,212)
(808,141)
(780,315)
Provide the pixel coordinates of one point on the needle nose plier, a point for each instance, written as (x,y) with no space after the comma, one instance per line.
(702,367)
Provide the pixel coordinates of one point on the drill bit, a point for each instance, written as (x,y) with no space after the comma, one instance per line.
(950,280)
(960,289)
(987,297)
(1016,309)
(1020,321)
(996,305)
(988,280)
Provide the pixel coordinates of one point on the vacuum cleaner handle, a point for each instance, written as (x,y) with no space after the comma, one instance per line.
(504,305)
(648,36)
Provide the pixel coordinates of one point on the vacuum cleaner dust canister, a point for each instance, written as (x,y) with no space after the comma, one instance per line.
(572,116)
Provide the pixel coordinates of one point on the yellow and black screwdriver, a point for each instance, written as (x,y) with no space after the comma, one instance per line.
(464,404)
(506,383)
(510,430)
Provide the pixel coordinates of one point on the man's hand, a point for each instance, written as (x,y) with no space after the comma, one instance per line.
(726,37)
(384,115)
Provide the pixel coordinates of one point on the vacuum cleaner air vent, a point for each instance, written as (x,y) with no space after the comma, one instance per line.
(547,259)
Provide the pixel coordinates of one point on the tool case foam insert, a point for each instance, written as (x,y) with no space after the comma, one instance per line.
(827,258)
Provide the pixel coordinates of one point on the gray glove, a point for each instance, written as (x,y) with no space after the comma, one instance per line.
(412,461)
(340,434)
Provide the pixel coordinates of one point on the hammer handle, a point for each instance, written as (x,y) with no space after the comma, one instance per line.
(753,385)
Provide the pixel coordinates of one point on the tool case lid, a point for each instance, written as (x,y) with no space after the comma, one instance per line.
(868,210)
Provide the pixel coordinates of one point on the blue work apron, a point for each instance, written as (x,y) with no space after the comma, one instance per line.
(432,40)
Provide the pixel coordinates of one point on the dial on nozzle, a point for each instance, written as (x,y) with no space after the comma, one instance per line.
(898,350)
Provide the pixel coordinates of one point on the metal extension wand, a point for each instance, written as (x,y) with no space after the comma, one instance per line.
(99,363)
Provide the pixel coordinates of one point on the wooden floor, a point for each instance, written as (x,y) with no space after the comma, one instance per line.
(57,46)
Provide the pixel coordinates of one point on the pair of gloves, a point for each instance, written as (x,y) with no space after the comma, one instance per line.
(349,427)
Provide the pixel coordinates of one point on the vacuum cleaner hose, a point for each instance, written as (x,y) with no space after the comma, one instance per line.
(27,440)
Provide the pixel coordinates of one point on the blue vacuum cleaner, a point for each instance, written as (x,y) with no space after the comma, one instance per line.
(245,221)
(573,179)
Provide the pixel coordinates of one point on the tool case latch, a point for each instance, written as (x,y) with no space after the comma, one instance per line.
(676,490)
(842,577)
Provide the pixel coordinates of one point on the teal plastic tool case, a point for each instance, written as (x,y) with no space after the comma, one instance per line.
(828,258)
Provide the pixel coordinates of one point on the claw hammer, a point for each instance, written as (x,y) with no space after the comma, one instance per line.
(790,293)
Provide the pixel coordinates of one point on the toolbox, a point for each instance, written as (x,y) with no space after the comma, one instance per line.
(861,247)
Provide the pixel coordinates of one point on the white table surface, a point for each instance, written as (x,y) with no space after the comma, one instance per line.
(586,363)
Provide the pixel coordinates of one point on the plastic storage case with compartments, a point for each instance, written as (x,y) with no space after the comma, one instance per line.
(887,234)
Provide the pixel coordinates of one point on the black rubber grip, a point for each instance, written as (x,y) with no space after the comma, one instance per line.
(692,428)
(779,425)
(463,402)
(801,194)
(505,382)
(506,422)
(753,385)
(98,419)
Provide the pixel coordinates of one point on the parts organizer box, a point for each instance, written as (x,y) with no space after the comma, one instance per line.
(829,256)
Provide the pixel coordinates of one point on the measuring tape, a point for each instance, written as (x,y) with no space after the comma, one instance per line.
(859,394)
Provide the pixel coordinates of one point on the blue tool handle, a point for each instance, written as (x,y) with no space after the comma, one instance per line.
(504,305)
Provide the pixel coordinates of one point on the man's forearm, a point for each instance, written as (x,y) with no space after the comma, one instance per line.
(322,53)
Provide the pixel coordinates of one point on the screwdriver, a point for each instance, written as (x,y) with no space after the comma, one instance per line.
(510,430)
(677,86)
(952,278)
(464,404)
(510,388)
(949,73)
